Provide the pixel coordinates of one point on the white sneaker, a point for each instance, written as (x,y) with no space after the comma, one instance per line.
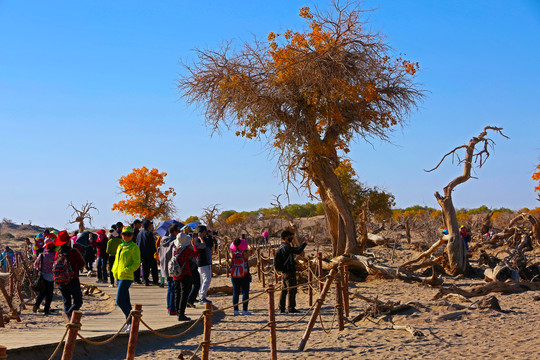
(126,328)
(235,312)
(246,312)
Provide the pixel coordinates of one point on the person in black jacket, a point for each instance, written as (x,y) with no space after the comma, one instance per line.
(147,245)
(136,225)
(286,253)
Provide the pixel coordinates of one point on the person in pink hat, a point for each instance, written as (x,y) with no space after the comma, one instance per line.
(102,256)
(240,275)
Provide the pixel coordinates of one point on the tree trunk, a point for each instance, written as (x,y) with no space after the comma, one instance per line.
(408,230)
(457,256)
(81,227)
(338,215)
(486,223)
(455,249)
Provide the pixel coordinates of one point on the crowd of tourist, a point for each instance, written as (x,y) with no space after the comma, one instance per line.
(180,260)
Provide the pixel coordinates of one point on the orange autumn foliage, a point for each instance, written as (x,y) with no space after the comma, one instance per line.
(144,198)
(308,94)
(536,177)
(235,219)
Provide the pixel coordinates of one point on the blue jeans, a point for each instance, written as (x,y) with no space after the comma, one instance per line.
(69,291)
(122,296)
(102,269)
(241,284)
(171,306)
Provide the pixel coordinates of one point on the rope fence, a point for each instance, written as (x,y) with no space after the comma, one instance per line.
(135,318)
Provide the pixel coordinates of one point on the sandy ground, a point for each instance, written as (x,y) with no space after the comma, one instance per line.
(486,334)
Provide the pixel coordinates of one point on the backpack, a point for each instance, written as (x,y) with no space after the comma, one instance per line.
(62,271)
(239,267)
(174,267)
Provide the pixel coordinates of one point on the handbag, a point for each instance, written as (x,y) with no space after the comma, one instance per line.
(38,284)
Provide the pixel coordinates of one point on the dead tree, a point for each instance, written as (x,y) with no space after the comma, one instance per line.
(362,226)
(533,220)
(486,223)
(457,256)
(513,231)
(82,214)
(210,215)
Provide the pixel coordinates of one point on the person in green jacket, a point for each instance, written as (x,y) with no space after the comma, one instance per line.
(128,259)
(112,246)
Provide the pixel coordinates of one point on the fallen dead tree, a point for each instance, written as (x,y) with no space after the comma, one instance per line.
(427,254)
(482,290)
(369,265)
(512,233)
(377,308)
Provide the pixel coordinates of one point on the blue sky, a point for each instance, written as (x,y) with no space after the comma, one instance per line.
(87,93)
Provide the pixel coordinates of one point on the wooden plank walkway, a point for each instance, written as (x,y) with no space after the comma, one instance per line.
(101,327)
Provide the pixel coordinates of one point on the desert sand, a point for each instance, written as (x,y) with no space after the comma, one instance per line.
(447,332)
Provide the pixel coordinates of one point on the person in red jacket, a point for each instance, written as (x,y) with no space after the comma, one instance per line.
(182,283)
(71,292)
(102,256)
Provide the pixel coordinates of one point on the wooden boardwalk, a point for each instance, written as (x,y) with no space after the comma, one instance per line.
(99,327)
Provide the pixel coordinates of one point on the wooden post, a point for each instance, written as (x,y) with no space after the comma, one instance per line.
(3,352)
(219,256)
(19,294)
(275,272)
(272,321)
(1,319)
(320,302)
(263,277)
(207,329)
(346,290)
(339,304)
(319,258)
(227,260)
(11,281)
(259,272)
(9,300)
(134,331)
(69,347)
(27,276)
(310,287)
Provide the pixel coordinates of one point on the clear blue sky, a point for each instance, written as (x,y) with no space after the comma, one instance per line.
(87,93)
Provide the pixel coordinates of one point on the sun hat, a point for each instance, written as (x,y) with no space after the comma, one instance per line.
(127,229)
(265,234)
(39,236)
(50,245)
(182,241)
(101,232)
(62,238)
(242,247)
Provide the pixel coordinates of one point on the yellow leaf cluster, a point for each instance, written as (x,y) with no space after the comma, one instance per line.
(235,219)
